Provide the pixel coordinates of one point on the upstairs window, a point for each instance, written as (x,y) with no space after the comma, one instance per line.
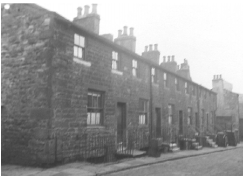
(186,88)
(166,82)
(115,60)
(205,94)
(177,84)
(79,46)
(95,108)
(153,75)
(193,90)
(135,68)
(143,112)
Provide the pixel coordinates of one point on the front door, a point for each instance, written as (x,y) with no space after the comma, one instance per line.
(121,122)
(197,121)
(158,122)
(180,122)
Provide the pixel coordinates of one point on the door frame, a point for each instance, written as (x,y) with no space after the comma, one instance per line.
(124,104)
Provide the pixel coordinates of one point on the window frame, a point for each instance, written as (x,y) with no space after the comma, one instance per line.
(96,108)
(115,65)
(177,85)
(135,68)
(154,78)
(186,88)
(79,47)
(166,82)
(143,111)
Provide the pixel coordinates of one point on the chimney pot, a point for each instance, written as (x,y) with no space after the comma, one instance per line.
(94,8)
(173,58)
(146,48)
(125,30)
(168,58)
(86,10)
(220,76)
(155,47)
(131,31)
(79,12)
(119,33)
(150,47)
(164,58)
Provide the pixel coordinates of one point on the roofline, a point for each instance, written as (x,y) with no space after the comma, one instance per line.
(123,49)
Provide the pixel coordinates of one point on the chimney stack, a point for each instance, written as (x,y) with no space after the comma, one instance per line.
(150,47)
(168,58)
(131,31)
(119,33)
(156,47)
(152,55)
(125,30)
(146,48)
(164,59)
(86,10)
(127,41)
(89,21)
(94,9)
(79,12)
(173,58)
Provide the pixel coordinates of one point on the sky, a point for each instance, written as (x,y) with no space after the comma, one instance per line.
(209,34)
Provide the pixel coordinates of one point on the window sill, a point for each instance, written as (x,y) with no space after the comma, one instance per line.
(117,72)
(95,127)
(155,84)
(82,62)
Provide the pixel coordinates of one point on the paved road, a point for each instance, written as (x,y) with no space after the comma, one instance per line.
(226,163)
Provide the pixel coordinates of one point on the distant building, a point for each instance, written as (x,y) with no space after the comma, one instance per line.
(69,93)
(227,113)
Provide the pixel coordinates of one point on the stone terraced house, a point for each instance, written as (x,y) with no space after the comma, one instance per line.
(69,93)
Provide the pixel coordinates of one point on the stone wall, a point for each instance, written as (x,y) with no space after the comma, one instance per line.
(45,91)
(25,88)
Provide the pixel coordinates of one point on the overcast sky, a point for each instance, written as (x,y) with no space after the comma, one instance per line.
(209,34)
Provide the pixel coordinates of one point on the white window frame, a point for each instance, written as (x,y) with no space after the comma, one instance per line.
(143,112)
(166,80)
(115,60)
(79,47)
(95,108)
(135,68)
(170,114)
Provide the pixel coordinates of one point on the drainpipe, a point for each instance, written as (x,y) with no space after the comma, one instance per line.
(151,105)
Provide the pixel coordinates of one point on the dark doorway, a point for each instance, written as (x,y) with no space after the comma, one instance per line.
(180,122)
(121,122)
(158,122)
(197,121)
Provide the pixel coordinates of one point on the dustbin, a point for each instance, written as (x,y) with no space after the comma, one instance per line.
(232,141)
(221,139)
(154,148)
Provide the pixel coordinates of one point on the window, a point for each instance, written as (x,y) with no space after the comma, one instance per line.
(166,83)
(153,76)
(143,111)
(135,68)
(189,116)
(186,88)
(205,94)
(115,61)
(78,48)
(193,90)
(95,108)
(177,84)
(170,114)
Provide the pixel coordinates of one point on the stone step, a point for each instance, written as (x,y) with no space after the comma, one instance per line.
(198,147)
(194,144)
(173,145)
(175,149)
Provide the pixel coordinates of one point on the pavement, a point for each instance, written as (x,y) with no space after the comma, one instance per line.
(88,169)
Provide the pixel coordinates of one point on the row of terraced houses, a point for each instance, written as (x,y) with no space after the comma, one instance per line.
(69,93)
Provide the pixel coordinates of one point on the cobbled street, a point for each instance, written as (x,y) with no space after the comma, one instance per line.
(227,163)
